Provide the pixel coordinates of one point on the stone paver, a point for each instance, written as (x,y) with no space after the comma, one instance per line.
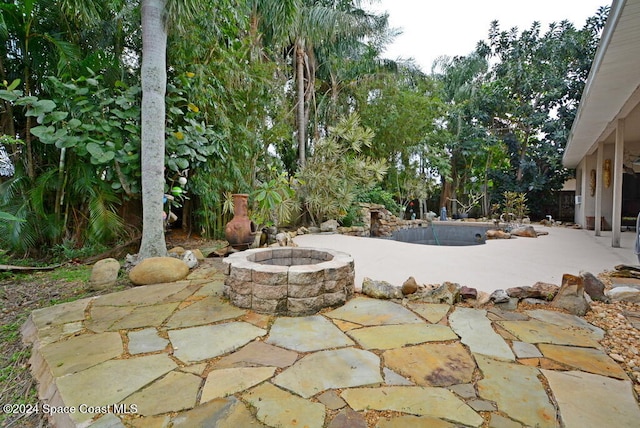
(200,343)
(414,422)
(205,311)
(609,402)
(517,391)
(82,352)
(432,312)
(342,368)
(258,354)
(306,334)
(111,382)
(369,312)
(473,326)
(147,340)
(223,382)
(535,331)
(585,359)
(280,408)
(174,392)
(565,320)
(186,357)
(397,336)
(416,400)
(432,364)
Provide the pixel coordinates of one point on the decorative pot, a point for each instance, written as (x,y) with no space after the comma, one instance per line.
(240,231)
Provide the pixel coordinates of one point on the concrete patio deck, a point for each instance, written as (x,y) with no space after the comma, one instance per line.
(180,355)
(498,264)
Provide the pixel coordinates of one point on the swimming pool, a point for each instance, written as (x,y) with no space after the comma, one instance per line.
(445,233)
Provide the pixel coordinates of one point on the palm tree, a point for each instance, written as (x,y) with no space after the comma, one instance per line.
(320,23)
(154,82)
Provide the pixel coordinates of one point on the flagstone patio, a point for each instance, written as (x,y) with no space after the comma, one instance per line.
(180,355)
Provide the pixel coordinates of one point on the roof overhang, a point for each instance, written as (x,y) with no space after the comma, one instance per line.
(612,90)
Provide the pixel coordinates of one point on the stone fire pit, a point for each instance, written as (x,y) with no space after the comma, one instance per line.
(291,281)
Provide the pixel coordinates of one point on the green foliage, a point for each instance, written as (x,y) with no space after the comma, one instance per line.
(515,204)
(329,183)
(274,201)
(377,195)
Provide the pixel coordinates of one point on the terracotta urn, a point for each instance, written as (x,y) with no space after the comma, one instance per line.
(240,231)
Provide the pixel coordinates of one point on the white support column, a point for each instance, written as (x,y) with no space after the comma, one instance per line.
(599,186)
(616,221)
(584,191)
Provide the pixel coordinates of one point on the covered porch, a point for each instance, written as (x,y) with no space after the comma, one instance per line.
(604,144)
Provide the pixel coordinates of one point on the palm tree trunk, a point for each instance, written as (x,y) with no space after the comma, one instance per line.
(154,82)
(302,156)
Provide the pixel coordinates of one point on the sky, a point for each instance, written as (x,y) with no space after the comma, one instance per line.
(432,28)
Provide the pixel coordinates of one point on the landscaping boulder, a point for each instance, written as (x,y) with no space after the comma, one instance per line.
(499,296)
(190,259)
(104,274)
(448,292)
(497,234)
(539,290)
(624,294)
(593,287)
(410,286)
(467,293)
(525,232)
(329,226)
(380,289)
(571,296)
(158,270)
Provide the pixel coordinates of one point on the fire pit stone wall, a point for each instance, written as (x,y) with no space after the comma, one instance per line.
(290,281)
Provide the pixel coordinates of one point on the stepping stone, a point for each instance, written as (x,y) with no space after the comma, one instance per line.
(276,407)
(347,418)
(525,350)
(146,295)
(414,422)
(497,313)
(535,331)
(566,321)
(108,421)
(475,331)
(464,390)
(145,316)
(341,368)
(101,318)
(223,412)
(147,340)
(111,382)
(416,400)
(499,421)
(516,390)
(176,391)
(397,336)
(369,312)
(224,382)
(60,314)
(433,364)
(589,400)
(258,354)
(393,378)
(432,312)
(209,341)
(331,400)
(206,311)
(307,334)
(585,359)
(81,352)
